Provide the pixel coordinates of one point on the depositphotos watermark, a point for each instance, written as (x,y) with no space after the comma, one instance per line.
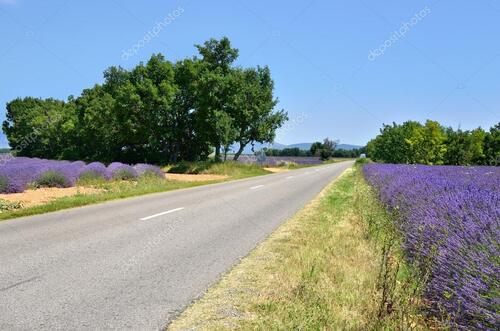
(399,34)
(152,34)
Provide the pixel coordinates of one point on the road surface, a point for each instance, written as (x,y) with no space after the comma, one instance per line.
(137,263)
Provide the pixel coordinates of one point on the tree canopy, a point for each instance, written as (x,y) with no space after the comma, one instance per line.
(159,111)
(431,143)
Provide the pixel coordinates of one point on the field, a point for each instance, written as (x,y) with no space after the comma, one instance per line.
(276,160)
(449,221)
(19,173)
(30,186)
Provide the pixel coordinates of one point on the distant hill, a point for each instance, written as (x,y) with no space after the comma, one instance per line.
(304,146)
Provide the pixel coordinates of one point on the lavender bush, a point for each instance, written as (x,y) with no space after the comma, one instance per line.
(94,170)
(118,170)
(20,172)
(143,169)
(449,219)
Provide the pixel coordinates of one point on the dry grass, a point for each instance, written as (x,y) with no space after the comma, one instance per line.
(318,271)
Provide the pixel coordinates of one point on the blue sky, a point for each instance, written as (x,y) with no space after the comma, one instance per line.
(429,59)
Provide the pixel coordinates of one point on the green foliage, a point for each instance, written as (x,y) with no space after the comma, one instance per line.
(491,147)
(316,148)
(123,174)
(3,183)
(156,112)
(362,160)
(324,150)
(190,167)
(51,178)
(431,143)
(90,176)
(295,151)
(230,168)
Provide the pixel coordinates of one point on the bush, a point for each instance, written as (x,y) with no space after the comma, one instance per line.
(190,167)
(93,171)
(362,160)
(4,184)
(147,170)
(52,178)
(122,171)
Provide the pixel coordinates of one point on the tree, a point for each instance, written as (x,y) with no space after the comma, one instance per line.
(218,54)
(465,147)
(156,112)
(412,142)
(316,148)
(39,128)
(327,149)
(214,90)
(252,107)
(492,146)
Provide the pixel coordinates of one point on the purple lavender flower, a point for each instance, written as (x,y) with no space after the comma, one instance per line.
(118,170)
(147,169)
(17,173)
(94,170)
(449,216)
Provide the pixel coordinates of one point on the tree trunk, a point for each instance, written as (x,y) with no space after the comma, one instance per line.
(240,150)
(217,153)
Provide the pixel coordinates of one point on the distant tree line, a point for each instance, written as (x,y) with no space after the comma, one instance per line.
(432,143)
(156,112)
(323,150)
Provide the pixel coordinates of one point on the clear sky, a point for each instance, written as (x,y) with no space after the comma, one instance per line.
(341,68)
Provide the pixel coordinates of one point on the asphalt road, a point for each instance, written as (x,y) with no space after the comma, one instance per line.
(137,263)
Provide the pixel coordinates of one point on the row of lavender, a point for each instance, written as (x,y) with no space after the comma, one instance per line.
(449,219)
(18,173)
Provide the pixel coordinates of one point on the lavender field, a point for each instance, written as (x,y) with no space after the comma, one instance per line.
(449,219)
(277,160)
(16,174)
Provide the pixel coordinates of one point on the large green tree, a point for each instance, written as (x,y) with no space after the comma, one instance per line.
(252,107)
(155,112)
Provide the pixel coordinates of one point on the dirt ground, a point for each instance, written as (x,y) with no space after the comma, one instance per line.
(194,178)
(30,198)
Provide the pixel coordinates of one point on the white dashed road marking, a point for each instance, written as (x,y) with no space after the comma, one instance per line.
(161,214)
(256,187)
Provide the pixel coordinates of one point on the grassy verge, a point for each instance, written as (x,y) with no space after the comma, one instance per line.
(125,189)
(333,266)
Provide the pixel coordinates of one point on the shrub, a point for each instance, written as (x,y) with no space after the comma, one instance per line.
(191,167)
(143,169)
(4,184)
(362,160)
(121,171)
(52,178)
(93,171)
